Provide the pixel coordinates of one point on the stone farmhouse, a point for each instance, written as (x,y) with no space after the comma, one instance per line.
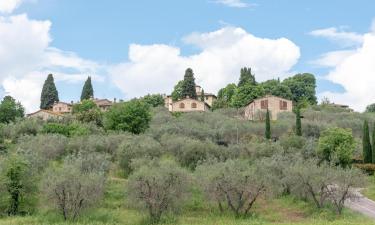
(63,107)
(257,108)
(190,105)
(45,114)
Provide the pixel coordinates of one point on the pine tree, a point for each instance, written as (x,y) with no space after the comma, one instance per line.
(246,77)
(87,90)
(298,122)
(367,152)
(202,95)
(373,143)
(49,93)
(268,125)
(188,86)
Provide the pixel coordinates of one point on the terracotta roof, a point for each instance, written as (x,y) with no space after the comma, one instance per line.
(46,111)
(268,96)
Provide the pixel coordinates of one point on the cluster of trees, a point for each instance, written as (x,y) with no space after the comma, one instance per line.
(185,87)
(299,88)
(368,144)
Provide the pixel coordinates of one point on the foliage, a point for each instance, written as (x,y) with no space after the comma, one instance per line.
(19,195)
(10,110)
(137,147)
(366,145)
(233,184)
(298,129)
(132,116)
(177,91)
(87,90)
(336,146)
(49,93)
(246,77)
(154,100)
(268,126)
(373,143)
(224,97)
(158,187)
(70,129)
(188,85)
(87,111)
(370,108)
(245,94)
(76,185)
(302,87)
(276,88)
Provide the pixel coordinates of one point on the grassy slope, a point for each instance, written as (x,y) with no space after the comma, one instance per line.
(113,210)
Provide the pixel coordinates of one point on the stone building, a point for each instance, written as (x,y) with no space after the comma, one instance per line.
(45,114)
(256,109)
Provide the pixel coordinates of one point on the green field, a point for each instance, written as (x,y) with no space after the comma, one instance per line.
(114,210)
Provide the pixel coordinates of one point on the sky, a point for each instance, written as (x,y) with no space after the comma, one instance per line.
(132,48)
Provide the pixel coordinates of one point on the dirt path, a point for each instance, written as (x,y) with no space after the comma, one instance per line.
(362,205)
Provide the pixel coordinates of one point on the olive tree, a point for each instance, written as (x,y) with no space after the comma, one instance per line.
(234,184)
(159,187)
(76,185)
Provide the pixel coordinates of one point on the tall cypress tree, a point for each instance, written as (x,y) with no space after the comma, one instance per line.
(373,143)
(49,93)
(188,85)
(367,152)
(202,95)
(298,122)
(246,77)
(87,90)
(268,125)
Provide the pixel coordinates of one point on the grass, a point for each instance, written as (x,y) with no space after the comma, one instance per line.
(113,210)
(369,192)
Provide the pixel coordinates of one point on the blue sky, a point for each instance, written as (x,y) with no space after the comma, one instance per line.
(101,33)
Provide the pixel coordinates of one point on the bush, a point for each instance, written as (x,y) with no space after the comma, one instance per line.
(17,187)
(70,130)
(76,185)
(133,116)
(233,184)
(159,187)
(336,145)
(137,147)
(368,168)
(87,111)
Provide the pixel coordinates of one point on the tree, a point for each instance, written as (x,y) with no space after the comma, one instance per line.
(245,94)
(188,85)
(202,95)
(20,186)
(298,122)
(373,143)
(87,90)
(133,116)
(177,91)
(76,185)
(154,100)
(246,77)
(336,146)
(302,87)
(366,144)
(159,187)
(224,97)
(10,110)
(268,125)
(87,111)
(370,108)
(49,93)
(276,88)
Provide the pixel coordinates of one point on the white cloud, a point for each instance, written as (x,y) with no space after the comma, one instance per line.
(7,6)
(344,38)
(356,73)
(234,3)
(333,58)
(26,57)
(157,68)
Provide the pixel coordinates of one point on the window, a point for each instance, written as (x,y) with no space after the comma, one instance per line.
(182,105)
(283,105)
(194,105)
(264,104)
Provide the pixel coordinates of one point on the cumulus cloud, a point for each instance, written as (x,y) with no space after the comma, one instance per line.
(157,68)
(7,6)
(346,39)
(26,57)
(234,3)
(356,73)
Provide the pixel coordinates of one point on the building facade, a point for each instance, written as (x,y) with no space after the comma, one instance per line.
(45,115)
(256,109)
(62,107)
(189,105)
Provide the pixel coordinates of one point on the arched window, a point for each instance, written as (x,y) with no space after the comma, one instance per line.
(193,105)
(182,105)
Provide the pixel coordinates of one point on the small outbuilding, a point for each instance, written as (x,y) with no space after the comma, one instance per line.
(45,114)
